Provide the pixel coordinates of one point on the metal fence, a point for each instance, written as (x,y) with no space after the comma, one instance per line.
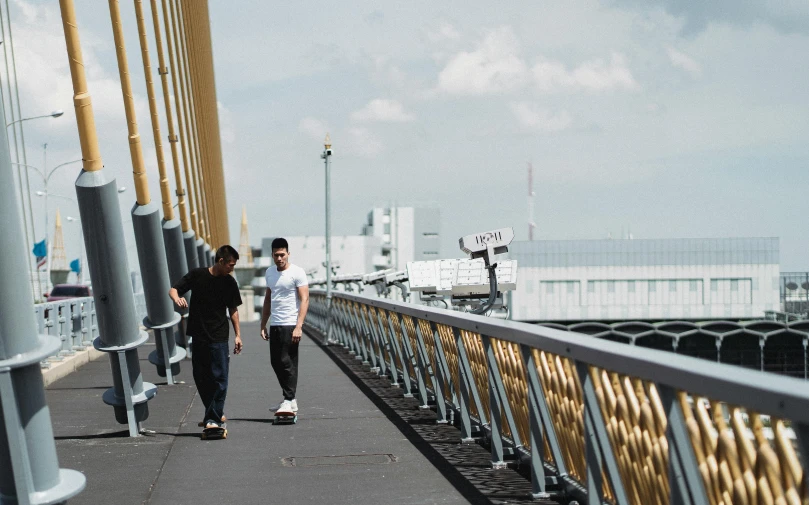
(74,322)
(766,345)
(615,423)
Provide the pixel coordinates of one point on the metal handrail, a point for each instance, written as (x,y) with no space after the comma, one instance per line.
(589,407)
(74,322)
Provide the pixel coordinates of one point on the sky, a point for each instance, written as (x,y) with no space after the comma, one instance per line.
(659,118)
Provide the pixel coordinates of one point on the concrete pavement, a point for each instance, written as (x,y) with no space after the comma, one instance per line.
(343,449)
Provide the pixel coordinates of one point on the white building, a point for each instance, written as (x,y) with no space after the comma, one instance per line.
(691,279)
(406,233)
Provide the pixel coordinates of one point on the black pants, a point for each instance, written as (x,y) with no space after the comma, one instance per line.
(211,361)
(284,359)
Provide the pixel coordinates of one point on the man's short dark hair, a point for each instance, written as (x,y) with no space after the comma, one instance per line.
(227,253)
(279,243)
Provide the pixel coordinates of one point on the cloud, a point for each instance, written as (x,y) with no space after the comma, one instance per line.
(786,16)
(363,143)
(313,127)
(227,132)
(445,32)
(494,67)
(685,62)
(382,110)
(594,75)
(532,117)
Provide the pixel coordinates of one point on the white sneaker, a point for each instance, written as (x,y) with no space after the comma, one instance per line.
(277,406)
(294,405)
(285,408)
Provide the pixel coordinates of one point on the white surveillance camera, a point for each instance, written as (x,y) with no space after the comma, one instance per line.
(487,243)
(376,276)
(400,276)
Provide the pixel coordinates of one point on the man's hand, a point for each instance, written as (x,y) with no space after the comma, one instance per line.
(181,302)
(297,333)
(264,333)
(237,349)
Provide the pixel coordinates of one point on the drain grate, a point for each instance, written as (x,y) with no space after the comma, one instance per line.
(349,459)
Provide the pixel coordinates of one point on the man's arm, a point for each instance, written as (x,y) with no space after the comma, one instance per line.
(265,314)
(303,294)
(234,319)
(176,298)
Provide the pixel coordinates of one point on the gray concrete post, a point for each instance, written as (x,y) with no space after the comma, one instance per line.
(203,257)
(161,318)
(208,254)
(118,325)
(178,267)
(31,472)
(191,253)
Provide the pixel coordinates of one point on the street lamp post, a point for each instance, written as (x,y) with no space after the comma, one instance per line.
(54,114)
(326,157)
(45,180)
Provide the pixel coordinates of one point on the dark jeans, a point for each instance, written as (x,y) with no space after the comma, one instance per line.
(211,363)
(284,359)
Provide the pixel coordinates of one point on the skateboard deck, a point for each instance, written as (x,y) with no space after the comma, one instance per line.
(285,418)
(215,433)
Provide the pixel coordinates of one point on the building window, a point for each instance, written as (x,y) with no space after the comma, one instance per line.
(692,285)
(430,234)
(630,287)
(591,286)
(672,285)
(430,253)
(571,288)
(549,288)
(734,284)
(714,285)
(652,286)
(611,286)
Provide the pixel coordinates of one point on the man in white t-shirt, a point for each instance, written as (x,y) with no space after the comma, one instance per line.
(285,304)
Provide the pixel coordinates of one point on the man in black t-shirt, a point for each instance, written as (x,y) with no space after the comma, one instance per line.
(216,294)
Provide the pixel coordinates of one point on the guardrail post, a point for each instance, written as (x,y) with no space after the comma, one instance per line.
(75,325)
(464,404)
(65,322)
(426,366)
(685,479)
(359,325)
(541,424)
(599,449)
(496,421)
(418,368)
(385,351)
(468,383)
(397,350)
(444,376)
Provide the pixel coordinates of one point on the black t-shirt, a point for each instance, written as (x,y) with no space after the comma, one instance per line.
(207,320)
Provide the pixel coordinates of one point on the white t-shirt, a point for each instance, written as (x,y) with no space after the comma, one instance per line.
(283,287)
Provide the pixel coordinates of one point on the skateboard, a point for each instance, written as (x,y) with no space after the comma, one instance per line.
(215,433)
(285,418)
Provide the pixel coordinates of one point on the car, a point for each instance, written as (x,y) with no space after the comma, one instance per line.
(66,291)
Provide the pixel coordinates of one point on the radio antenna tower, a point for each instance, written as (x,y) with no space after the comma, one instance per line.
(531,223)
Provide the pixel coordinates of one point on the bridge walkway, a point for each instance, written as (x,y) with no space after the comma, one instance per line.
(346,448)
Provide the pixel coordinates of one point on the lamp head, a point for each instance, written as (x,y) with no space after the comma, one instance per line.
(57,113)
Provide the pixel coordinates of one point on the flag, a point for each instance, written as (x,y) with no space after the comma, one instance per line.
(75,265)
(41,253)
